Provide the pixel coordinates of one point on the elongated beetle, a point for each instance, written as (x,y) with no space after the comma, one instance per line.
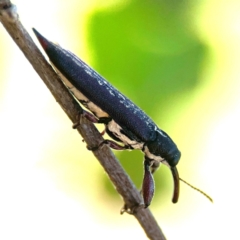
(123,120)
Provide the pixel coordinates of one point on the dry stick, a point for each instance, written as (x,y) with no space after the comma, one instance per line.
(123,184)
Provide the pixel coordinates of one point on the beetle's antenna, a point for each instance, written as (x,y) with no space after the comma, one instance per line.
(197,189)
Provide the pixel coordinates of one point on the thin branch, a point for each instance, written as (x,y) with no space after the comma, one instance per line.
(124,186)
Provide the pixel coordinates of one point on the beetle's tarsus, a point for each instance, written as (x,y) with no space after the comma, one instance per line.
(93,148)
(97,147)
(78,122)
(131,210)
(75,125)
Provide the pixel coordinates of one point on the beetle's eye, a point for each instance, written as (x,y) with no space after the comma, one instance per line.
(174,158)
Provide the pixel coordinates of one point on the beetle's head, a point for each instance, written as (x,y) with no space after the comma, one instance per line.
(172,156)
(166,149)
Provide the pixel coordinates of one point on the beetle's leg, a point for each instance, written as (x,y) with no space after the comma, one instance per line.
(131,210)
(148,182)
(155,165)
(111,144)
(88,116)
(104,131)
(115,145)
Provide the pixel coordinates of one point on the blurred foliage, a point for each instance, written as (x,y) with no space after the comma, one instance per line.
(149,51)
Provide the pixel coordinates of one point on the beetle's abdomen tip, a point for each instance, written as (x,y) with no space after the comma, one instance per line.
(43,41)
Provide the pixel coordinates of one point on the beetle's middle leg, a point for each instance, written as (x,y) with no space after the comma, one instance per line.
(93,119)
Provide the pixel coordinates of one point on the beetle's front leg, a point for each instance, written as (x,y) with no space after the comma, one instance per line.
(87,115)
(148,181)
(111,144)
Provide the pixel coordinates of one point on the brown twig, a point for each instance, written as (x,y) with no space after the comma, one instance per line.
(123,184)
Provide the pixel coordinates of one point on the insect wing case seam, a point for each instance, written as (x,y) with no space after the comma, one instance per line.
(110,101)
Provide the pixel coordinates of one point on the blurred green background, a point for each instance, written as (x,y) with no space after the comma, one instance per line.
(177,60)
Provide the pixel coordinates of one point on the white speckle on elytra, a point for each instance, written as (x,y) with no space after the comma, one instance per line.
(122,97)
(88,72)
(111,92)
(158,130)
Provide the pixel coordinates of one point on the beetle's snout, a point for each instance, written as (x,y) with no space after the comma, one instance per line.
(176,184)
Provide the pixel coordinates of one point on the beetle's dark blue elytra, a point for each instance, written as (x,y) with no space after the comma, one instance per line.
(124,121)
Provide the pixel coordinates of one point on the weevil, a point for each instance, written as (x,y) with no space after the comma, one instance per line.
(124,122)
